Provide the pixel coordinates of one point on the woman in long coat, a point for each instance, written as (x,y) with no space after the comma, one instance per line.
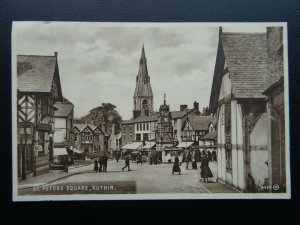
(176,166)
(205,170)
(95,165)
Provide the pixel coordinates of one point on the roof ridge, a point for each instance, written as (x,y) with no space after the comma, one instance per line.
(243,33)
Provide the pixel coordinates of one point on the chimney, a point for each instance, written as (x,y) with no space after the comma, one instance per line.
(183,107)
(204,112)
(55,54)
(196,106)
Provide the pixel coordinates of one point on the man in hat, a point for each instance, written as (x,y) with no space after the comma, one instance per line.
(127,162)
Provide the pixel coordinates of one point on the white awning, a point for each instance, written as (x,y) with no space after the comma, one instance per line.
(149,145)
(133,145)
(77,151)
(59,151)
(184,144)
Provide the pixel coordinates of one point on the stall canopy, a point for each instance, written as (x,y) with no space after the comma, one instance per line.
(184,144)
(149,145)
(59,151)
(133,146)
(77,151)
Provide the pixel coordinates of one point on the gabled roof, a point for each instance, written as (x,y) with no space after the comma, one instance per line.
(36,73)
(210,136)
(246,57)
(200,122)
(82,126)
(63,109)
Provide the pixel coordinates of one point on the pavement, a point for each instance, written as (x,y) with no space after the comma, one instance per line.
(52,175)
(146,178)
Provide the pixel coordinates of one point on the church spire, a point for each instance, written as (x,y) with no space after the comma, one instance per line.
(143,53)
(143,96)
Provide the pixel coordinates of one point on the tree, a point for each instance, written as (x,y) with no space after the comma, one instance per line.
(106,115)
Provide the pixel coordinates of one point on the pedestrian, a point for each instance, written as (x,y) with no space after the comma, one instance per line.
(95,165)
(127,162)
(194,164)
(104,162)
(117,156)
(176,166)
(214,155)
(101,162)
(139,159)
(205,170)
(188,158)
(209,155)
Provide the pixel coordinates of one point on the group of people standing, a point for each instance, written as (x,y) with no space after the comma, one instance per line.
(102,160)
(194,157)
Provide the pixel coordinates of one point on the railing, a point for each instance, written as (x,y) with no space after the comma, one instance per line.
(41,160)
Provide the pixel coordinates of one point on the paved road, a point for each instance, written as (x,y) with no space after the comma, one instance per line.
(145,179)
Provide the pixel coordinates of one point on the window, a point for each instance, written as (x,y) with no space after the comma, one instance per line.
(140,126)
(145,137)
(147,126)
(137,127)
(143,126)
(138,137)
(145,104)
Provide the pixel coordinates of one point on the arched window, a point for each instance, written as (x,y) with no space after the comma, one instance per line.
(145,104)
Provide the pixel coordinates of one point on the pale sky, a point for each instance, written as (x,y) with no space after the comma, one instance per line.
(98,62)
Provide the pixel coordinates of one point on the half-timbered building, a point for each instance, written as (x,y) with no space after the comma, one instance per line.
(38,88)
(276,110)
(195,128)
(90,139)
(237,98)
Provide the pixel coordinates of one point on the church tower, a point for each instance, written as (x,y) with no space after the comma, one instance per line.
(143,96)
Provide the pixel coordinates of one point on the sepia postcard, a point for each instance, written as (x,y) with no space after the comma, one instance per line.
(121,111)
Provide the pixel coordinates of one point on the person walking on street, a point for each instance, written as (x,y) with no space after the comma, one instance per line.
(139,159)
(95,165)
(127,162)
(176,166)
(188,158)
(205,170)
(117,156)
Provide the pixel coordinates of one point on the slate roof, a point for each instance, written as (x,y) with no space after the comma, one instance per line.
(35,73)
(210,136)
(180,114)
(82,126)
(200,122)
(153,118)
(63,110)
(141,119)
(246,57)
